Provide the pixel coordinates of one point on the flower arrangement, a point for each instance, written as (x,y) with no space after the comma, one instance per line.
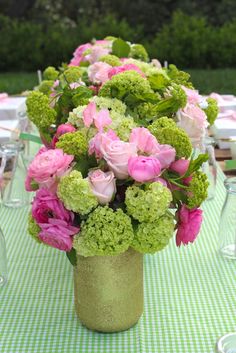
(118,168)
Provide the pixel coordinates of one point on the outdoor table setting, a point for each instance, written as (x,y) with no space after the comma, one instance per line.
(121,178)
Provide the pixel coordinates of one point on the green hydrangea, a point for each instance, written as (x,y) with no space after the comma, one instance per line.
(122,125)
(138,51)
(112,104)
(46,87)
(50,73)
(128,82)
(197,191)
(147,205)
(72,74)
(39,111)
(152,237)
(176,138)
(105,232)
(73,143)
(110,59)
(212,110)
(161,123)
(33,228)
(75,193)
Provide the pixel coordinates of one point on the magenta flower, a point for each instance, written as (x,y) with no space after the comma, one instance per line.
(61,130)
(180,166)
(144,169)
(189,224)
(126,67)
(78,54)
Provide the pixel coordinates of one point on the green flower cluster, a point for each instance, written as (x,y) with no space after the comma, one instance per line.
(112,104)
(212,110)
(174,99)
(33,228)
(179,77)
(46,87)
(50,73)
(122,125)
(161,123)
(76,116)
(152,237)
(110,59)
(105,232)
(75,193)
(128,82)
(144,113)
(138,51)
(173,136)
(197,191)
(149,204)
(39,111)
(73,143)
(72,74)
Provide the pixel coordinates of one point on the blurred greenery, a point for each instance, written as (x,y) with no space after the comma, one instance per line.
(206,81)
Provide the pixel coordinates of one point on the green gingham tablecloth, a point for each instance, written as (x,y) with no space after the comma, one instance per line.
(190,296)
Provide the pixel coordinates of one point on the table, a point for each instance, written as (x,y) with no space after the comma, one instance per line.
(190,297)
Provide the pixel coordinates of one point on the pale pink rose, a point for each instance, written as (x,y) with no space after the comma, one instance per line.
(144,169)
(144,140)
(98,72)
(103,185)
(95,142)
(156,63)
(78,54)
(189,225)
(126,67)
(193,120)
(61,130)
(48,167)
(116,154)
(180,166)
(193,97)
(165,155)
(97,51)
(103,42)
(58,234)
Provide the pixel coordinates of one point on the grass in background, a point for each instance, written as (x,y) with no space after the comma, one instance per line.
(206,81)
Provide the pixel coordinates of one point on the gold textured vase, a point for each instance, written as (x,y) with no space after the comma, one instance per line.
(109,291)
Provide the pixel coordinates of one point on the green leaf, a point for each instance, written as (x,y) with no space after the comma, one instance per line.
(159,81)
(72,256)
(120,48)
(197,163)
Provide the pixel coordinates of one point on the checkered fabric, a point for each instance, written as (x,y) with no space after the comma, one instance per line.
(190,296)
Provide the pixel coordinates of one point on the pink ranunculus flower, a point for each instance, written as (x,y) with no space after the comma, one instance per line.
(95,142)
(58,234)
(144,140)
(48,167)
(189,225)
(126,67)
(46,205)
(165,155)
(61,130)
(103,185)
(193,97)
(78,54)
(98,72)
(144,169)
(180,166)
(116,154)
(193,120)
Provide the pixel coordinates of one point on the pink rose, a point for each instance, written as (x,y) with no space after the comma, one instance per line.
(165,155)
(143,169)
(117,154)
(103,185)
(126,67)
(96,141)
(144,140)
(58,234)
(98,72)
(193,120)
(46,205)
(189,225)
(193,97)
(48,166)
(61,130)
(78,54)
(180,166)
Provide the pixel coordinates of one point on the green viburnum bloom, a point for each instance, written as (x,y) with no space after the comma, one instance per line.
(149,204)
(73,143)
(33,228)
(112,104)
(46,87)
(161,123)
(72,74)
(39,110)
(76,116)
(76,194)
(128,82)
(212,110)
(138,51)
(105,232)
(197,191)
(122,125)
(110,59)
(176,138)
(50,73)
(152,237)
